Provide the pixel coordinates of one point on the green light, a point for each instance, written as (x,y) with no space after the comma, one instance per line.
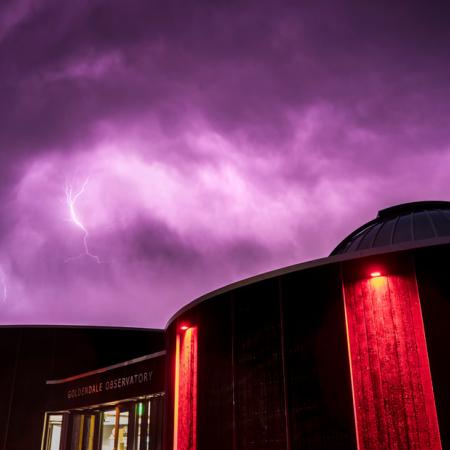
(140,409)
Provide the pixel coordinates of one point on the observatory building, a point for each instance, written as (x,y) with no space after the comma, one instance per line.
(345,352)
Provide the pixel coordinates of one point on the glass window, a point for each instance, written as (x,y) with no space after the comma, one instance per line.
(108,429)
(123,431)
(54,426)
(131,425)
(114,430)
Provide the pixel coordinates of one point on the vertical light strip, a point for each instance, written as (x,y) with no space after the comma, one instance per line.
(391,380)
(185,396)
(176,393)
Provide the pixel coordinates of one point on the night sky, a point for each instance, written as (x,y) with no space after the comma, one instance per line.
(192,144)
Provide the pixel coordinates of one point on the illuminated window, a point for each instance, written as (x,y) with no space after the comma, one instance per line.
(54,428)
(131,425)
(108,430)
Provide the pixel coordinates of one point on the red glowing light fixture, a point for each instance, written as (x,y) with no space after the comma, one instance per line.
(184,327)
(389,380)
(185,392)
(375,274)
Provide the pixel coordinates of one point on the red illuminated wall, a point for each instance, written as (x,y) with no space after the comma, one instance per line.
(185,403)
(392,388)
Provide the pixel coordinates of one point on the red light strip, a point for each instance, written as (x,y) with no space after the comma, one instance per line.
(391,380)
(185,396)
(176,393)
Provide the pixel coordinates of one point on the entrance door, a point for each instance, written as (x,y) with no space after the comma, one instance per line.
(132,425)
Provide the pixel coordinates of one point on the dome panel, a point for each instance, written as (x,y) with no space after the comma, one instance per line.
(369,237)
(423,226)
(407,222)
(354,244)
(441,223)
(384,236)
(403,229)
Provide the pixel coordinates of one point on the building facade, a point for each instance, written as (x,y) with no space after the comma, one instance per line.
(345,352)
(59,386)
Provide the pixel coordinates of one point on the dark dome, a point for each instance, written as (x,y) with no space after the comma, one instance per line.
(408,222)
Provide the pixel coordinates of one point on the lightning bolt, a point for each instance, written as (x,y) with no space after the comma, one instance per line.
(71,200)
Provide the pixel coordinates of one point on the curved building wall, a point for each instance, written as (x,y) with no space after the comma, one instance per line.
(433,279)
(272,366)
(295,360)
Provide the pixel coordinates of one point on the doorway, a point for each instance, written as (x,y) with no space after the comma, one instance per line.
(132,425)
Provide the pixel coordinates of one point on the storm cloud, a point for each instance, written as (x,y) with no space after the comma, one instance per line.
(214,141)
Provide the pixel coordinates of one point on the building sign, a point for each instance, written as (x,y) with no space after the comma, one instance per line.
(142,376)
(117,383)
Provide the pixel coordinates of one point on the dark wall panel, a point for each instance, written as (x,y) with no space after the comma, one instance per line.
(317,367)
(100,347)
(34,367)
(169,383)
(215,395)
(260,413)
(9,347)
(432,272)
